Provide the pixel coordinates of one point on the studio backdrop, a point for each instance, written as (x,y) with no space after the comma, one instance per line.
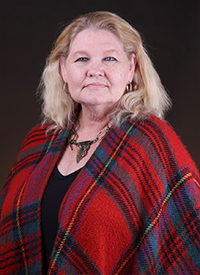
(171,33)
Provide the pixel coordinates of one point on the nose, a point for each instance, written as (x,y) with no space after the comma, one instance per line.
(95,69)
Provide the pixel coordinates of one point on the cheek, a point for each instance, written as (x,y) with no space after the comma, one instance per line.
(73,78)
(121,78)
(121,74)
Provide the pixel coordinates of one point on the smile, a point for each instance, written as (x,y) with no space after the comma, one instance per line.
(95,85)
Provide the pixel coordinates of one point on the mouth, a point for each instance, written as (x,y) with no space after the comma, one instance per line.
(95,85)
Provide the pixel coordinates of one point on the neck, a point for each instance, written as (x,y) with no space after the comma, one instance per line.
(91,123)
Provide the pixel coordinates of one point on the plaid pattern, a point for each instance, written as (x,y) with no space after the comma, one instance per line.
(133,209)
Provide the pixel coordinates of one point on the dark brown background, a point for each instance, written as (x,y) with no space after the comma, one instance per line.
(169,28)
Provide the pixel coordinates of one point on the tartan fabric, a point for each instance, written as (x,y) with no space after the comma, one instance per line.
(133,209)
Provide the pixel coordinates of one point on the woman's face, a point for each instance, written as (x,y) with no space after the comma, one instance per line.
(97,69)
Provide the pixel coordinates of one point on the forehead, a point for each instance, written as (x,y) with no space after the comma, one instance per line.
(100,38)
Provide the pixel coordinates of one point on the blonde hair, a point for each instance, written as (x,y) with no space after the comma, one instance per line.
(148,95)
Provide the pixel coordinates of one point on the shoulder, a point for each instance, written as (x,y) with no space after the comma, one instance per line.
(157,137)
(153,124)
(34,147)
(37,136)
(156,130)
(36,142)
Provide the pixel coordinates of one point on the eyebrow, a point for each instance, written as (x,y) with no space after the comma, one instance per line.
(77,54)
(110,51)
(80,52)
(85,52)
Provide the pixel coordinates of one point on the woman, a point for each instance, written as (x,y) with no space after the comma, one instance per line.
(104,185)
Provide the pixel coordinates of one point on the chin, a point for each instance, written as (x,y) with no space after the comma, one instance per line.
(91,100)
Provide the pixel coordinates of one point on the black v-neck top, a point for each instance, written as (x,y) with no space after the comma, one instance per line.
(55,191)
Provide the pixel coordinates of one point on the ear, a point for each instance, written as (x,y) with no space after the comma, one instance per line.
(63,69)
(132,68)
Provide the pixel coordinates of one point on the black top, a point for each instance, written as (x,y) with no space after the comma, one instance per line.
(54,193)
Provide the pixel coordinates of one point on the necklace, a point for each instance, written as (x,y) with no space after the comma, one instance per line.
(84,146)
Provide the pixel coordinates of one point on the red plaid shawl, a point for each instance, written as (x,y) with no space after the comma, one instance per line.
(133,209)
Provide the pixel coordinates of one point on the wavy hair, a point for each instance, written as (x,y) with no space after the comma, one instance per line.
(147,95)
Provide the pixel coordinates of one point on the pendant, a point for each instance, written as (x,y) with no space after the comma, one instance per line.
(83,148)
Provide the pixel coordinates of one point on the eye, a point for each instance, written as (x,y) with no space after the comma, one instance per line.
(82,59)
(110,58)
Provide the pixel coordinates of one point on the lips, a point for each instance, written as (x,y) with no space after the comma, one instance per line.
(95,85)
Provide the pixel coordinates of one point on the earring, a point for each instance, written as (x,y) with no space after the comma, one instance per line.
(129,87)
(65,89)
(134,86)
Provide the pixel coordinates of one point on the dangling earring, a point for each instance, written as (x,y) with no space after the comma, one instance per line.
(65,89)
(134,85)
(129,87)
